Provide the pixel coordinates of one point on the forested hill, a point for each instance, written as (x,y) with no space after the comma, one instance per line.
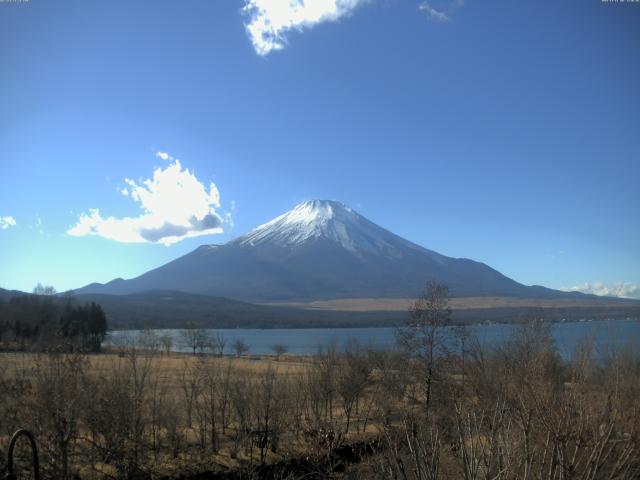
(44,322)
(171,309)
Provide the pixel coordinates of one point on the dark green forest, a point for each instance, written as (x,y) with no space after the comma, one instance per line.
(43,321)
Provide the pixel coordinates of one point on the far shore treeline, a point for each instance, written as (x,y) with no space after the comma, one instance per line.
(46,321)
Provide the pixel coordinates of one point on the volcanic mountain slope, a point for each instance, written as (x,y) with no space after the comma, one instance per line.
(320,250)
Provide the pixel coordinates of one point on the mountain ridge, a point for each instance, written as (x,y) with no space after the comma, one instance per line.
(321,249)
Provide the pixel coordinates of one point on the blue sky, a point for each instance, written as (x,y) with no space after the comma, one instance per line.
(506,132)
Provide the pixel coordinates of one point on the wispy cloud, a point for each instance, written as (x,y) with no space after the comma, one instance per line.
(164,156)
(269,21)
(440,10)
(432,13)
(7,222)
(175,205)
(618,289)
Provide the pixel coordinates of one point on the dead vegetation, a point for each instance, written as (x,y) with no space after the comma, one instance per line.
(428,410)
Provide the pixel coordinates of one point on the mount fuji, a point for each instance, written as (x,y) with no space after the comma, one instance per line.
(320,250)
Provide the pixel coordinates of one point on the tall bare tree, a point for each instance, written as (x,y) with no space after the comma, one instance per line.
(218,343)
(422,336)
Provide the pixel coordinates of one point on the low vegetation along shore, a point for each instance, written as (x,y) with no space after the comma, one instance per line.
(426,409)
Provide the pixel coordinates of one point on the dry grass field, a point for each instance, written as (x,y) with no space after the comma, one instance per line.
(171,364)
(142,414)
(183,400)
(461,303)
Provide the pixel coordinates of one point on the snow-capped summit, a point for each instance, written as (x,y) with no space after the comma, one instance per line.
(326,220)
(314,218)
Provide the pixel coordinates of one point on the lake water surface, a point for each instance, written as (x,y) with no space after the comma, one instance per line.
(605,334)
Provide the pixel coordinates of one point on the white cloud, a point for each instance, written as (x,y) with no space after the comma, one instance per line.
(7,222)
(175,205)
(619,289)
(269,21)
(440,10)
(433,13)
(164,156)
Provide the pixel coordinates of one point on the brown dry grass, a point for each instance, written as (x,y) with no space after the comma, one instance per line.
(171,369)
(463,303)
(171,365)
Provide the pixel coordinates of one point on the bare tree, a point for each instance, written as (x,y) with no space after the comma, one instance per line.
(224,394)
(195,338)
(116,414)
(352,379)
(218,344)
(321,386)
(240,388)
(240,347)
(166,341)
(422,336)
(269,404)
(207,401)
(57,403)
(44,290)
(190,385)
(279,349)
(149,340)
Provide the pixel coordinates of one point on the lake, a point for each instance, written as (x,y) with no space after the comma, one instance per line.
(605,334)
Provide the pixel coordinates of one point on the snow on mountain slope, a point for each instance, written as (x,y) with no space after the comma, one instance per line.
(329,221)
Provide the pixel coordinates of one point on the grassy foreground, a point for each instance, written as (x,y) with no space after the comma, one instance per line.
(510,412)
(119,413)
